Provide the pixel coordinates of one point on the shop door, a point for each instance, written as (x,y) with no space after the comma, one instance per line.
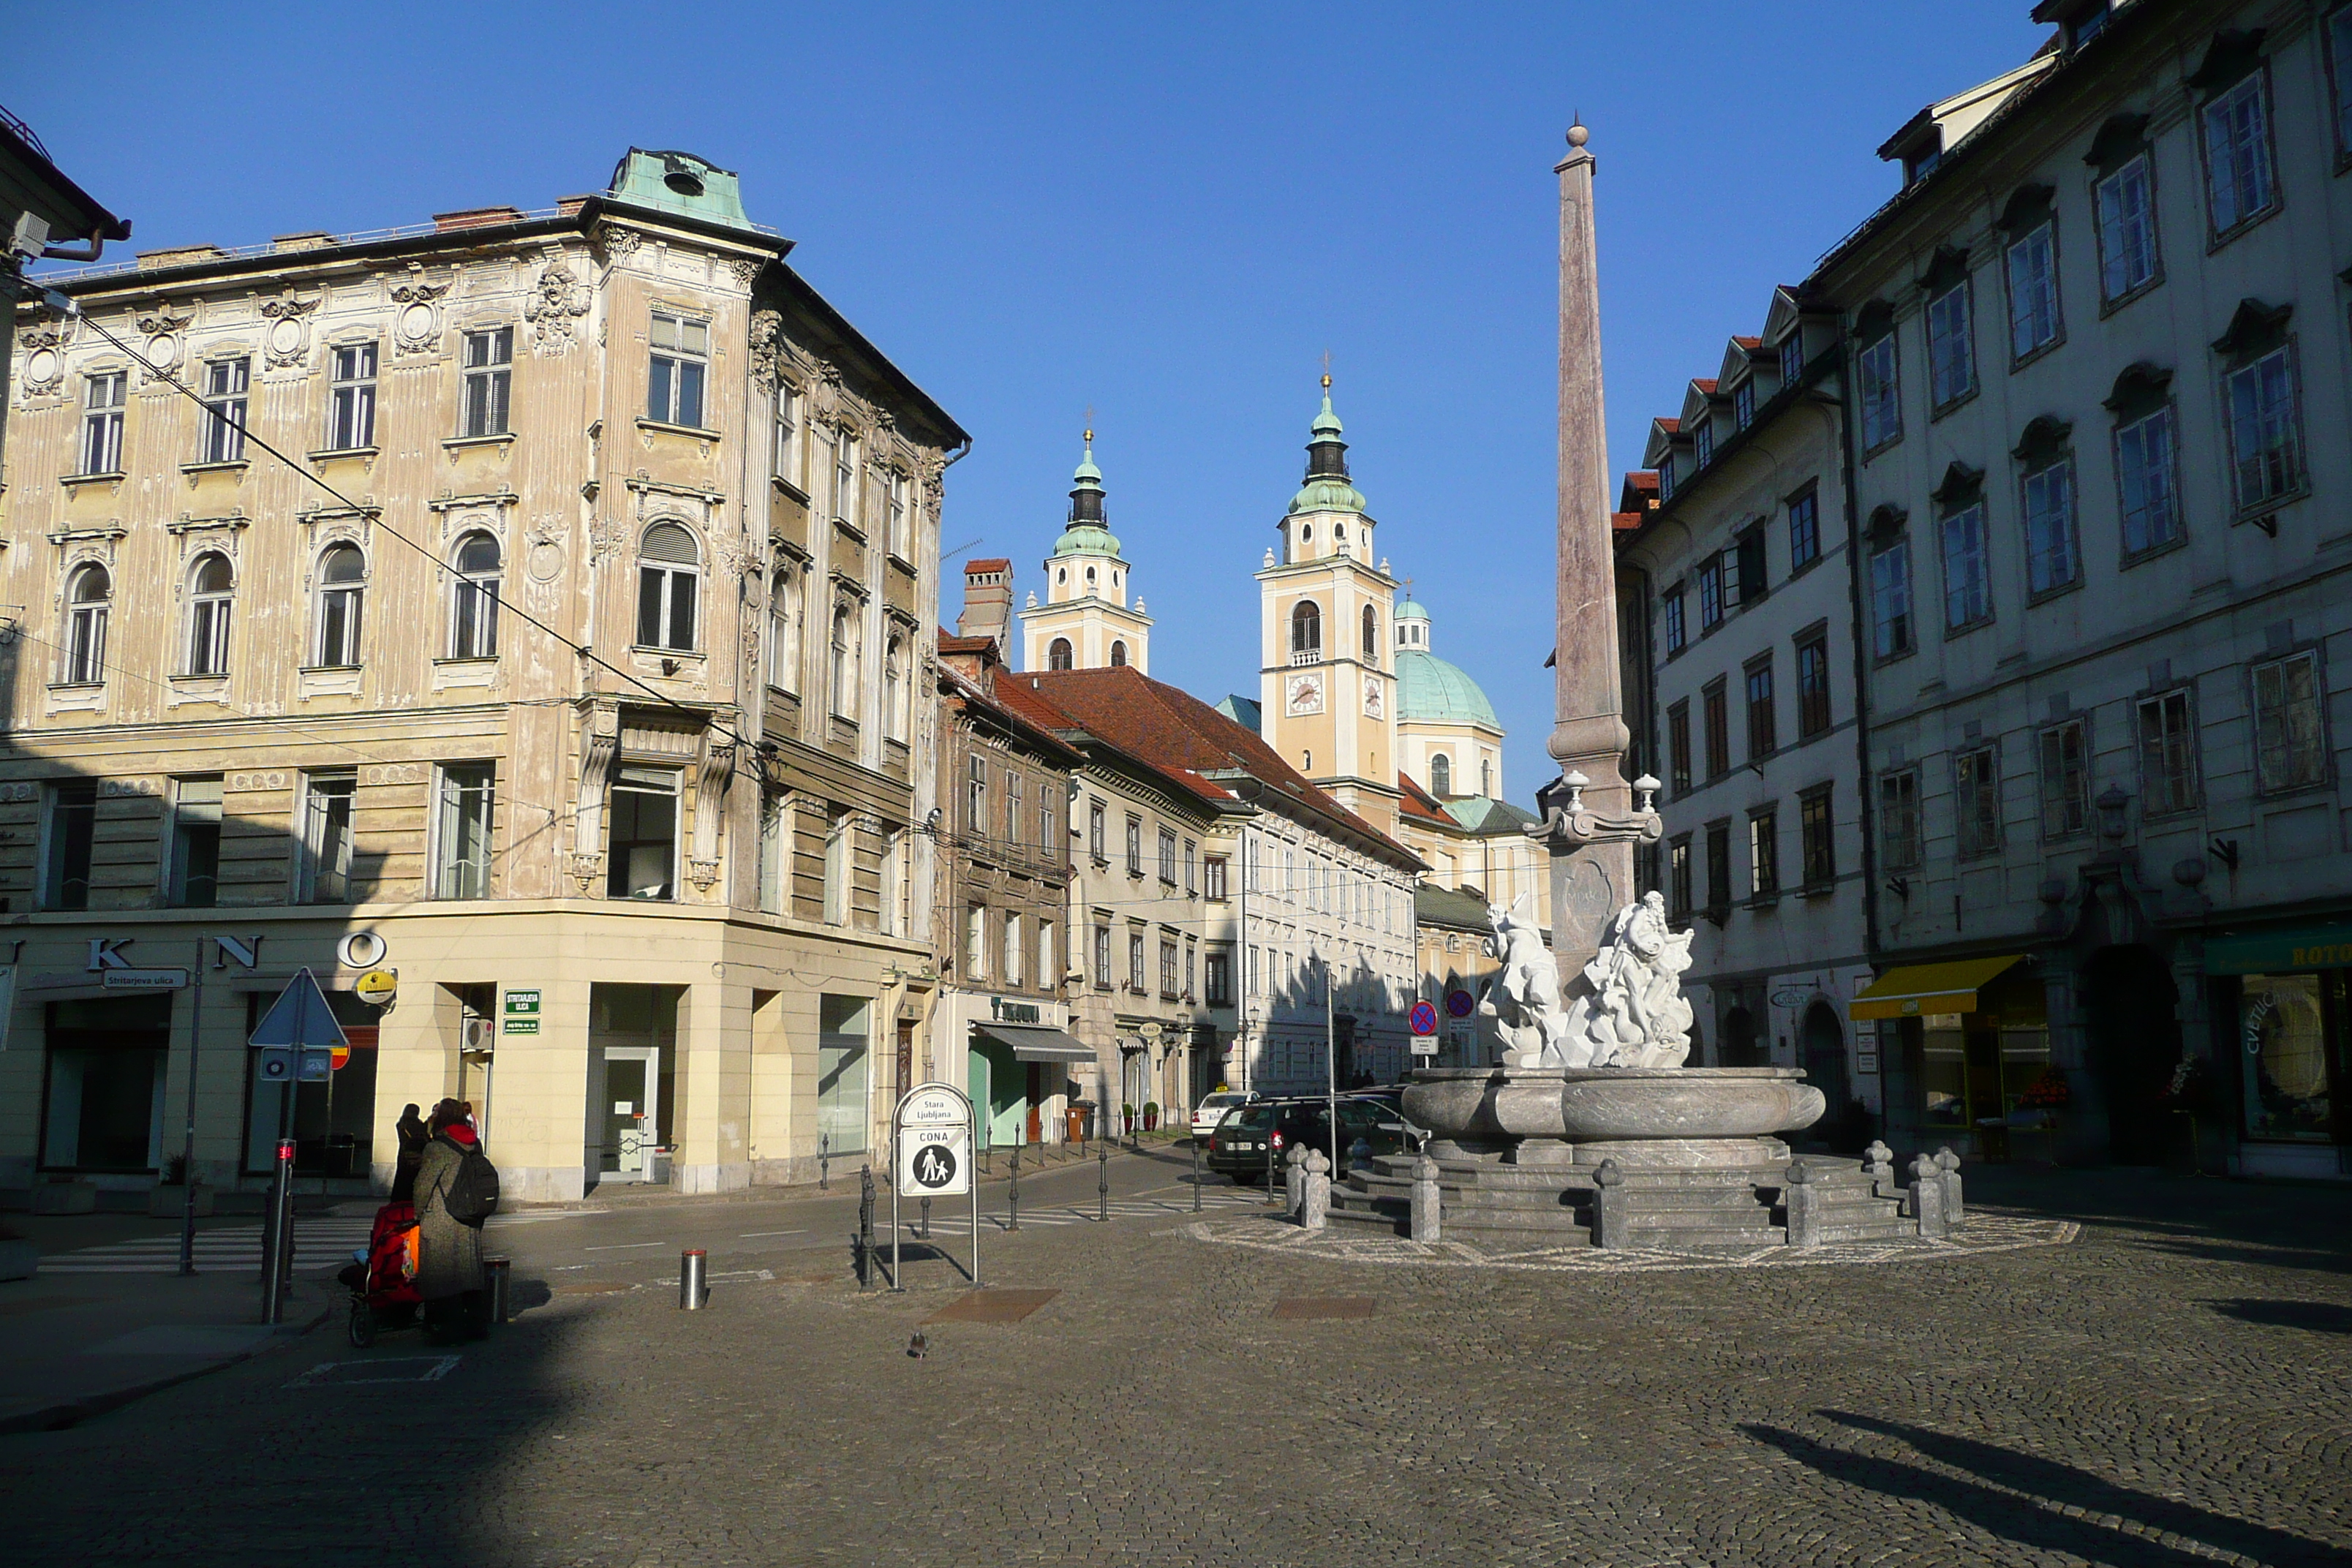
(1037,1099)
(631,1113)
(2135,1043)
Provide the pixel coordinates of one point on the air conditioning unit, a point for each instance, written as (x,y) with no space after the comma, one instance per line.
(481,1036)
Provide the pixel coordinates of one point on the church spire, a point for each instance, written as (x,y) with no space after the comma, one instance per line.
(1087,499)
(1327,455)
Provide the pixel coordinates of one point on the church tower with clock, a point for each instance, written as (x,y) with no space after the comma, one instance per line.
(1328,693)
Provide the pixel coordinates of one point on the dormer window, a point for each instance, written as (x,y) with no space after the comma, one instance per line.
(1666,477)
(1743,405)
(1918,166)
(1703,440)
(1792,358)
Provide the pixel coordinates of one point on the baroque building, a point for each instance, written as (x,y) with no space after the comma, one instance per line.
(529,604)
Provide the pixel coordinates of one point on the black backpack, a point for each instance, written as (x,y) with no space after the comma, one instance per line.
(472,1194)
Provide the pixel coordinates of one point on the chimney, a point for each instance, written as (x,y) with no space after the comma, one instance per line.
(988,603)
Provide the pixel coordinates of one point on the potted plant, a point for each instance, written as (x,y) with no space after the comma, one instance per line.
(2043,1099)
(169,1198)
(1127,1117)
(1150,1115)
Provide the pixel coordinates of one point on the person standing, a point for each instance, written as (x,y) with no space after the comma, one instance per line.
(413,1134)
(449,1249)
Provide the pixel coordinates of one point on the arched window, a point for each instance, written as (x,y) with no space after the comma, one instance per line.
(1338,533)
(785,632)
(848,674)
(894,687)
(473,599)
(210,590)
(1057,654)
(1119,656)
(1371,636)
(343,599)
(1305,534)
(1061,575)
(1440,776)
(668,567)
(1305,633)
(1486,777)
(87,601)
(1090,577)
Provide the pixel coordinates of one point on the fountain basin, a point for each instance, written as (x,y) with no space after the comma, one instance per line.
(1665,1116)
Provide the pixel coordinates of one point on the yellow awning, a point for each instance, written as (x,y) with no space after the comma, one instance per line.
(1918,988)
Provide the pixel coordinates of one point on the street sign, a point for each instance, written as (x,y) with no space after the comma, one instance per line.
(143,979)
(521,1013)
(1424,1045)
(934,1142)
(1460,1003)
(1424,1018)
(377,987)
(301,1019)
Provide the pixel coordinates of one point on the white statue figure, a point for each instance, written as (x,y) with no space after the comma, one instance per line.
(1632,1013)
(1523,996)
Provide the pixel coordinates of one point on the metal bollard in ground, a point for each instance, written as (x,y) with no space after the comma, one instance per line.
(926,1231)
(1012,1197)
(496,1273)
(1102,1184)
(692,1275)
(1196,1176)
(865,1226)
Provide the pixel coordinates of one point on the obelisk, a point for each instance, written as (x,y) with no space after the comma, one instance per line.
(1591,850)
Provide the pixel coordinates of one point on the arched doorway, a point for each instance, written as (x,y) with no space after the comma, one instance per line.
(2134,1037)
(1823,1043)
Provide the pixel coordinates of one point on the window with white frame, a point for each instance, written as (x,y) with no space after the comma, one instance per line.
(2290,724)
(787,439)
(2125,200)
(1951,348)
(1191,867)
(323,873)
(1976,801)
(895,686)
(103,394)
(1666,478)
(1212,876)
(474,591)
(1049,830)
(1049,957)
(229,385)
(784,630)
(1097,833)
(677,369)
(668,575)
(642,859)
(1135,973)
(211,595)
(848,649)
(975,942)
(975,797)
(845,476)
(1968,576)
(2239,183)
(351,398)
(70,846)
(2033,267)
(488,372)
(2147,489)
(1792,357)
(462,857)
(1877,389)
(2052,560)
(1743,405)
(1166,967)
(2168,754)
(2066,779)
(1012,976)
(775,851)
(343,604)
(896,487)
(1012,806)
(1804,529)
(1901,841)
(1167,857)
(1134,845)
(1703,443)
(1102,956)
(192,876)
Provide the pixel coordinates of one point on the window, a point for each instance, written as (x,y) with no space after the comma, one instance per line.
(102,422)
(489,361)
(227,383)
(1012,976)
(784,631)
(1743,405)
(1058,655)
(88,598)
(775,851)
(1817,838)
(351,398)
(73,832)
(1710,593)
(193,878)
(1102,956)
(845,476)
(2168,756)
(1813,685)
(1890,599)
(1013,799)
(2126,211)
(1761,739)
(1049,973)
(975,797)
(1677,631)
(1900,840)
(1166,968)
(1804,531)
(1305,633)
(1877,392)
(1217,974)
(1048,829)
(2065,779)
(1097,833)
(1968,584)
(895,688)
(668,567)
(2290,738)
(848,649)
(462,867)
(1718,866)
(1212,876)
(324,873)
(1135,846)
(1716,714)
(1678,750)
(1763,853)
(1486,777)
(902,541)
(1792,358)
(1666,478)
(1192,868)
(1440,776)
(838,843)
(2146,482)
(1679,877)
(675,370)
(2051,559)
(342,600)
(211,595)
(975,942)
(1951,352)
(642,862)
(1702,444)
(473,599)
(1753,585)
(1135,962)
(787,454)
(2239,188)
(2265,445)
(1119,655)
(1372,637)
(1976,801)
(2033,266)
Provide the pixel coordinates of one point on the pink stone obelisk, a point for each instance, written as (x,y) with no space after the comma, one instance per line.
(1591,874)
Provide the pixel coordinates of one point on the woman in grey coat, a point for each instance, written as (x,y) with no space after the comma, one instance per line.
(448,1252)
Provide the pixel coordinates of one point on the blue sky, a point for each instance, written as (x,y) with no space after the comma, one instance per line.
(1167,213)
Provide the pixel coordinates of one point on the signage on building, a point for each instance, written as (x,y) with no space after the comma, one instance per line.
(934,1142)
(143,979)
(1866,1063)
(2279,952)
(1007,1012)
(377,987)
(362,950)
(521,1013)
(1790,996)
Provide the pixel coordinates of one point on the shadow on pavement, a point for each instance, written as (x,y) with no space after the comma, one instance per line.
(2316,1317)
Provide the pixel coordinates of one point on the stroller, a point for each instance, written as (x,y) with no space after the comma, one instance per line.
(382,1279)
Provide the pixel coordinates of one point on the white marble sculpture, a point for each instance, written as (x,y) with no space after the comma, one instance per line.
(1523,997)
(1630,1012)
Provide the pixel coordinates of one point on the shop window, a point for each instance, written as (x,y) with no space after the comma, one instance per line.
(2282,1030)
(331,1120)
(103,1109)
(841,1072)
(642,859)
(323,875)
(194,879)
(72,831)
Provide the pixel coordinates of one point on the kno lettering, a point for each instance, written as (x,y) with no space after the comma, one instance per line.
(106,953)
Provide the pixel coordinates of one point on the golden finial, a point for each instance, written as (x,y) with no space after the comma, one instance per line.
(1327,370)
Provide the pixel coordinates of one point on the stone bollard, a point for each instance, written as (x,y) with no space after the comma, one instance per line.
(1426,1199)
(1293,1178)
(1927,1198)
(1947,1168)
(1610,1208)
(1878,1164)
(1315,1203)
(1802,1199)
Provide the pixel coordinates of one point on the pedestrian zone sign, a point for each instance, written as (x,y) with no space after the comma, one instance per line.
(934,1142)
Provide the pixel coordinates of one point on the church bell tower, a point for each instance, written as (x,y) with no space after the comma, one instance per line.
(1086,622)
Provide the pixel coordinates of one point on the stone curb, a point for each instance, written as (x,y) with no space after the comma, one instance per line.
(65,1413)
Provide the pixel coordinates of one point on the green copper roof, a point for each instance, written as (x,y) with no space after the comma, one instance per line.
(1327,423)
(1087,476)
(680,183)
(1438,692)
(1326,495)
(1085,533)
(1409,611)
(1488,817)
(1086,539)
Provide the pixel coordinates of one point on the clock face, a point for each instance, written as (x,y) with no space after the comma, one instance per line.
(1372,699)
(1304,694)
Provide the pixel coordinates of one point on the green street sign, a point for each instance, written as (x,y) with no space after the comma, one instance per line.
(521,1013)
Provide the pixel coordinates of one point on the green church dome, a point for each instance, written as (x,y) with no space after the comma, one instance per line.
(1435,692)
(1326,495)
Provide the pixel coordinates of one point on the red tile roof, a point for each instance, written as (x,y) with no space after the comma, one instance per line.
(1705,387)
(951,643)
(1669,427)
(1623,521)
(1421,805)
(1748,343)
(993,564)
(1642,479)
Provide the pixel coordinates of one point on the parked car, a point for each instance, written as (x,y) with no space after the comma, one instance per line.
(1238,1148)
(1213,1107)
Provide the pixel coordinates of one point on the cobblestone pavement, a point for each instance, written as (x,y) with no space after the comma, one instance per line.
(2170,1387)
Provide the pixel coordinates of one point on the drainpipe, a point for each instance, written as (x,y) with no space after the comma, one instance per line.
(1857,609)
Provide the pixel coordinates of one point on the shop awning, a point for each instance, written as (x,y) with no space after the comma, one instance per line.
(1033,1042)
(1916,988)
